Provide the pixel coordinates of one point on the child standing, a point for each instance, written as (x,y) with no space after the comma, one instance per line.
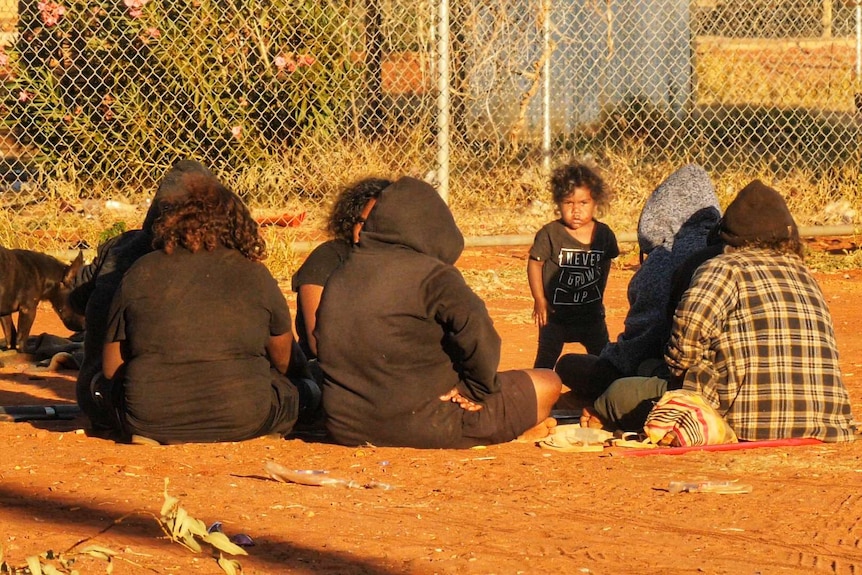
(569,264)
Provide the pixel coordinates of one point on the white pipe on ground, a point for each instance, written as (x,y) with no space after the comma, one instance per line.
(624,237)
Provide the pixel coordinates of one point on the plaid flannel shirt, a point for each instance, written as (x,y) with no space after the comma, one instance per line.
(754,336)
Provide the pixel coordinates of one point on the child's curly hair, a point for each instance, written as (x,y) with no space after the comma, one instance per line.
(565,179)
(348,206)
(209,215)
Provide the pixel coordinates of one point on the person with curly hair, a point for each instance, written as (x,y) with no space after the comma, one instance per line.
(674,224)
(309,280)
(569,264)
(98,281)
(199,340)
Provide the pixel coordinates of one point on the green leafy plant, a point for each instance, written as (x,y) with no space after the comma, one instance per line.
(116,229)
(135,84)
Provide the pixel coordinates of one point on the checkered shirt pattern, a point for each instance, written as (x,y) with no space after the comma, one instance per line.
(754,336)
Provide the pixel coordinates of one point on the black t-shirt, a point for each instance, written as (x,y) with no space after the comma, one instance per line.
(194,329)
(315,270)
(574,274)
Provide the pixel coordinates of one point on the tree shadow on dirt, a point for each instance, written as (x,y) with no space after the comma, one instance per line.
(275,555)
(36,388)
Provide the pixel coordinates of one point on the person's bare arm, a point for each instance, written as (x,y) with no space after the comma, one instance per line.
(279,348)
(537,288)
(112,359)
(309,297)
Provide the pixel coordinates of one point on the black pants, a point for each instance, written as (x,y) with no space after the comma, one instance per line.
(592,334)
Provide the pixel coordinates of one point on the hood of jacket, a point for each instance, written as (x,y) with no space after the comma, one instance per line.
(412,214)
(686,199)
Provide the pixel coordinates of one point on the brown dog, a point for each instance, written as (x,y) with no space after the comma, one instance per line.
(27,278)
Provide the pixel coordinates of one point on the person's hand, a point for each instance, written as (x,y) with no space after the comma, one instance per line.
(540,313)
(455,396)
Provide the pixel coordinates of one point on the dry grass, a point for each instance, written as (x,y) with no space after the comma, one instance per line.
(813,74)
(499,201)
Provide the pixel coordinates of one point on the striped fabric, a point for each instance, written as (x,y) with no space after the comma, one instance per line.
(754,336)
(682,418)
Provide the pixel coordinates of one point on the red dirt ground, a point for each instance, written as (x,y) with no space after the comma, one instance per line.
(505,509)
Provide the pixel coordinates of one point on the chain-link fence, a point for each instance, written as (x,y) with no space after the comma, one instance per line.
(287,101)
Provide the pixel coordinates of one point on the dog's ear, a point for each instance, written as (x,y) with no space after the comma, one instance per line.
(72,270)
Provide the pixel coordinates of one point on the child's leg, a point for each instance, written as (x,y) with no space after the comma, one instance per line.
(552,336)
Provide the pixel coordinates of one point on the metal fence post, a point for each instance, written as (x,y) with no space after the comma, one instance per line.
(443,105)
(858,41)
(546,89)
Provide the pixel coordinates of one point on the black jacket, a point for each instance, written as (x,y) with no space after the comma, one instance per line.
(398,327)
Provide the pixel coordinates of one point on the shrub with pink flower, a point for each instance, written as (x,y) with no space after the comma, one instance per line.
(206,82)
(285,63)
(135,7)
(50,12)
(290,62)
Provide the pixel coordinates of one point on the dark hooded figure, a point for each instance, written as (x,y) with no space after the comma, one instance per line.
(99,280)
(408,350)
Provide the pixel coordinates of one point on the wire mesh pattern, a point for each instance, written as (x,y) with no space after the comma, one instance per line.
(288,101)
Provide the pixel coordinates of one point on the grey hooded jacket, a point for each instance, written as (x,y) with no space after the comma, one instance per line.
(674,223)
